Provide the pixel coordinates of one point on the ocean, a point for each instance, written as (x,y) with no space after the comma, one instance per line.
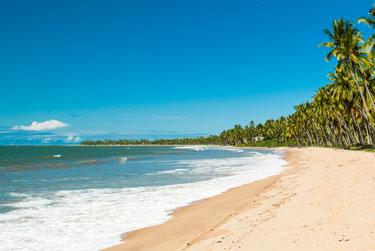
(86,197)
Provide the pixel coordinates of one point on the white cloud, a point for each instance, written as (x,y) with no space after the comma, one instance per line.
(41,126)
(73,139)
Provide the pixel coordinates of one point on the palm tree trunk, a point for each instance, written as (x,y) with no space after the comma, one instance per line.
(360,92)
(358,128)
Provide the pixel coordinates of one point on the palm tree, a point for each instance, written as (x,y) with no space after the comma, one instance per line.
(370,20)
(345,45)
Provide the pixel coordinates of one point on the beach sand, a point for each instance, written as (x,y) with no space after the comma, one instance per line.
(325,200)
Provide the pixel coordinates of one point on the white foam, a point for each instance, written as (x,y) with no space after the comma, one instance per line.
(199,148)
(232,149)
(95,218)
(57,156)
(123,160)
(193,148)
(18,194)
(173,171)
(89,161)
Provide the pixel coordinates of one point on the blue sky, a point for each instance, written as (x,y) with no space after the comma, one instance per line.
(149,68)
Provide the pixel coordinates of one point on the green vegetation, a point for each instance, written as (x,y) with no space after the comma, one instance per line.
(341,114)
(182,141)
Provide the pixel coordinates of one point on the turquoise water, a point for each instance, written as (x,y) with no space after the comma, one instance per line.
(71,193)
(40,169)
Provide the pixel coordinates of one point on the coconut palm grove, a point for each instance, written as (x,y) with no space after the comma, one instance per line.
(341,114)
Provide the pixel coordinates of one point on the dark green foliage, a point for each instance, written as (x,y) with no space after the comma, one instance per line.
(181,141)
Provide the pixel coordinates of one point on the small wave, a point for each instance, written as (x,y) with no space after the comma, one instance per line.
(89,161)
(233,150)
(256,153)
(173,171)
(203,148)
(65,179)
(31,202)
(123,160)
(57,156)
(13,194)
(193,148)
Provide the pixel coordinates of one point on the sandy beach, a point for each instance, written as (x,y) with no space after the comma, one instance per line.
(324,200)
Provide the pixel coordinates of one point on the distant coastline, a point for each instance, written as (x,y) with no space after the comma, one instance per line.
(212,140)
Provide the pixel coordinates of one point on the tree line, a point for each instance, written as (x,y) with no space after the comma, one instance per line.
(179,141)
(341,114)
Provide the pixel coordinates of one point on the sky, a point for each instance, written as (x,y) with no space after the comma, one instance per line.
(73,70)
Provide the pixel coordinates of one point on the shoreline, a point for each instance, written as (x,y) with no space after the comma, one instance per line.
(234,196)
(329,209)
(175,234)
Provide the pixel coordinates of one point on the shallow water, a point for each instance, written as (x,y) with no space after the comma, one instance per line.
(85,197)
